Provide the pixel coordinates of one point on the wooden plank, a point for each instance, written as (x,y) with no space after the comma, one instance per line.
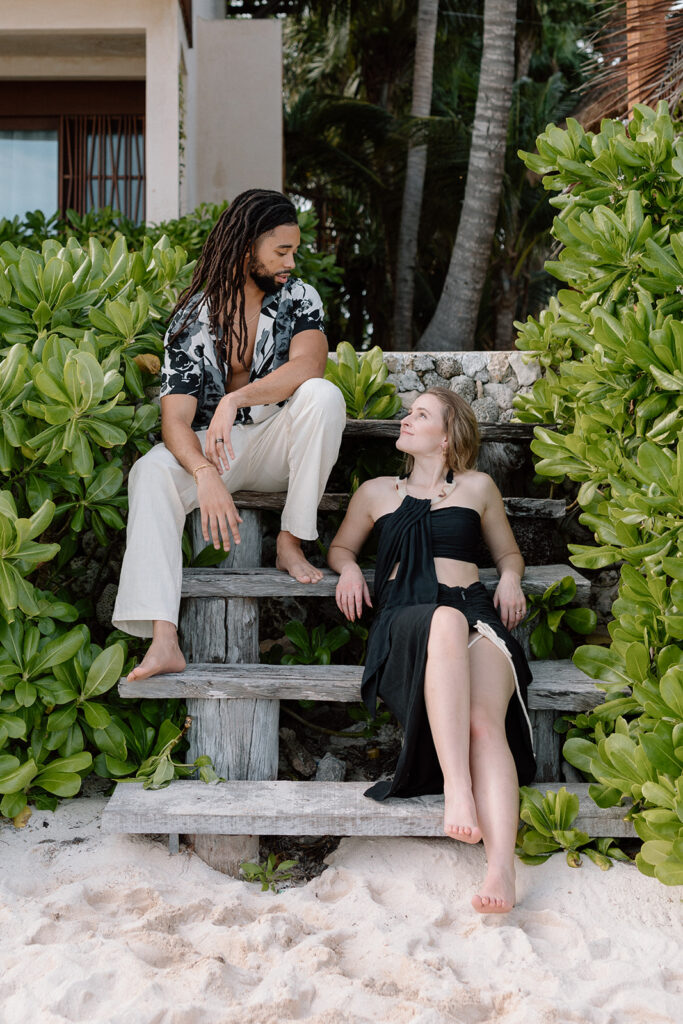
(517,433)
(304,808)
(534,508)
(547,745)
(272,583)
(558,685)
(274,501)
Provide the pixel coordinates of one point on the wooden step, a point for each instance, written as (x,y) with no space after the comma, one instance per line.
(304,808)
(515,433)
(558,685)
(527,508)
(263,582)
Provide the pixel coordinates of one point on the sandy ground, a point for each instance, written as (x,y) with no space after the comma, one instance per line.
(99,928)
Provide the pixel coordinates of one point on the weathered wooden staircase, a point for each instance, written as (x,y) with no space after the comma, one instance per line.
(234,704)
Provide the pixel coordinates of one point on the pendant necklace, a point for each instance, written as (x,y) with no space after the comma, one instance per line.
(447,487)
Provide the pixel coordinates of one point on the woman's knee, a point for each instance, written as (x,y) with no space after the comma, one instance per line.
(449,627)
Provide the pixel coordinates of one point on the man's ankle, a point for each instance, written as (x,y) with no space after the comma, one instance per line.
(164,631)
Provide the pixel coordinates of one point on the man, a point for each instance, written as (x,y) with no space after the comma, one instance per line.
(243,406)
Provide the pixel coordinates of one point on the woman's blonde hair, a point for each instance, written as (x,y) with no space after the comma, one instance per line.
(461,428)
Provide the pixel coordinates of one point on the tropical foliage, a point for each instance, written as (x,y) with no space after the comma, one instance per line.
(613,349)
(362,381)
(189,233)
(82,327)
(547,828)
(348,129)
(555,621)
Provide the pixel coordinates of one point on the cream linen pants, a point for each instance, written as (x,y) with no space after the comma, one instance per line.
(295,449)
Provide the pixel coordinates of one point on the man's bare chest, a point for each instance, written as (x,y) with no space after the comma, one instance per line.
(240,362)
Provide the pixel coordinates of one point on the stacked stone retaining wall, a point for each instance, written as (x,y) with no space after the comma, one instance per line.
(489,381)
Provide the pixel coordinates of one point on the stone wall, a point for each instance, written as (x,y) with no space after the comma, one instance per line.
(487,380)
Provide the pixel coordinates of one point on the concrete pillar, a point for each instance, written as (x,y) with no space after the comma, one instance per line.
(236,108)
(161,122)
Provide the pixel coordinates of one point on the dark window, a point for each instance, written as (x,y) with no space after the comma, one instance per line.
(103,163)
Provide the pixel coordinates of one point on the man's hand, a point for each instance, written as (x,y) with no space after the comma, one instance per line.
(220,517)
(509,600)
(218,446)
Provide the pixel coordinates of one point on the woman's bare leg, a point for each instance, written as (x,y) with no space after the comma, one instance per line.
(447,697)
(494,776)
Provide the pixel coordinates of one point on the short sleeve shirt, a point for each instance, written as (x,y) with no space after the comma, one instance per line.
(191,366)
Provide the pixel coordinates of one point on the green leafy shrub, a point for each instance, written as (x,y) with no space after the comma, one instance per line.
(614,351)
(188,232)
(549,639)
(82,326)
(362,381)
(547,829)
(314,648)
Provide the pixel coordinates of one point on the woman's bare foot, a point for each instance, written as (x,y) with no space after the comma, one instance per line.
(460,815)
(497,894)
(290,558)
(164,654)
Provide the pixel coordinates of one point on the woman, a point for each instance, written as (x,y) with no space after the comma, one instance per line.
(439,654)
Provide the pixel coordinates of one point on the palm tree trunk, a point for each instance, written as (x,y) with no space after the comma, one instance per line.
(404,283)
(455,318)
(646,44)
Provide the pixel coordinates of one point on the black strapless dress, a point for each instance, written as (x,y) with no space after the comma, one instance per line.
(413,536)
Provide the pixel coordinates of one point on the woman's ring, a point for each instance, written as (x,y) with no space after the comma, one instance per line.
(219,440)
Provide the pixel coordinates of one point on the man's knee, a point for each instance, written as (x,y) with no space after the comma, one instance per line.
(322,394)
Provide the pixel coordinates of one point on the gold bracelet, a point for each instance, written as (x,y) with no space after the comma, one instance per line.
(204,465)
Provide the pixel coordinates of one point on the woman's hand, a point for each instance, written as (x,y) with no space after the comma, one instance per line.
(351,591)
(218,447)
(509,600)
(219,514)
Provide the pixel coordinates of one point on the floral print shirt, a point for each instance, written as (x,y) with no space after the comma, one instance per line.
(192,368)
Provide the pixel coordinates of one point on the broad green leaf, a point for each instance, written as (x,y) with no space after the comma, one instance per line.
(104,672)
(57,651)
(96,715)
(64,784)
(19,778)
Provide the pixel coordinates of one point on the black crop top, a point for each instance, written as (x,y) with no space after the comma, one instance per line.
(456,532)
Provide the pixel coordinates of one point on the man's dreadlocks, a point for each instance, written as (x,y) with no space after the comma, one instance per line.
(220,271)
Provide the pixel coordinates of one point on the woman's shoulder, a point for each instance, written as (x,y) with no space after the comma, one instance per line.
(476,479)
(373,494)
(481,487)
(377,487)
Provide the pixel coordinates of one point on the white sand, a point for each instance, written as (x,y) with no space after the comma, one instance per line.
(113,929)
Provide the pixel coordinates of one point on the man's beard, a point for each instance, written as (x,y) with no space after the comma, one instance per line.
(266,282)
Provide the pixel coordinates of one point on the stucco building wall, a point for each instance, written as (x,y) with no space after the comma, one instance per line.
(231,114)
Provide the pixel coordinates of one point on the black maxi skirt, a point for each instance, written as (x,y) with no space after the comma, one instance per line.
(399,637)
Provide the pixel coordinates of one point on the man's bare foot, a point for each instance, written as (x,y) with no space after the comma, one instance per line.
(460,815)
(497,894)
(290,558)
(164,655)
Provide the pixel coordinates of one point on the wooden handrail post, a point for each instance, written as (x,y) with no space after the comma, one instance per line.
(239,735)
